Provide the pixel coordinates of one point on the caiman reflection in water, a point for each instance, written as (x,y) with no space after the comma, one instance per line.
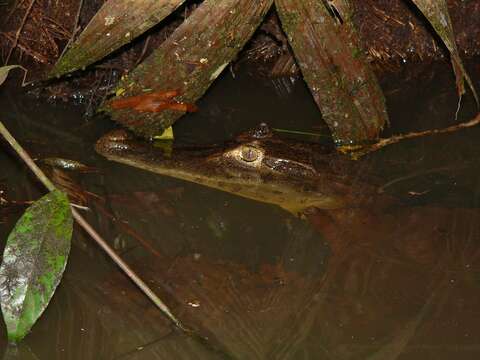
(293,175)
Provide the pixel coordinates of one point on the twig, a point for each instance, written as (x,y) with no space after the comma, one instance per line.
(415,174)
(91,231)
(17,35)
(30,52)
(126,269)
(144,51)
(397,138)
(75,29)
(18,5)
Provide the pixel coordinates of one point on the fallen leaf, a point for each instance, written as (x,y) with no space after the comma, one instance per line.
(5,70)
(34,259)
(117,23)
(166,135)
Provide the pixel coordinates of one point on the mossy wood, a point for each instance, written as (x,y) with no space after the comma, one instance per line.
(190,59)
(115,24)
(334,67)
(34,259)
(436,11)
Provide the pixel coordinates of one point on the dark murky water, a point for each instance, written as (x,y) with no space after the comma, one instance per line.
(258,282)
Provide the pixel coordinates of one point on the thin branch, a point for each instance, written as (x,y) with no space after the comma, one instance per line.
(397,138)
(26,158)
(86,226)
(75,29)
(19,31)
(18,5)
(144,51)
(126,269)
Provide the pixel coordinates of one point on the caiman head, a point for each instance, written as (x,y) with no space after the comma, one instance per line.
(293,175)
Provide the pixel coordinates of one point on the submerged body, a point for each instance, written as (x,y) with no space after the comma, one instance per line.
(296,176)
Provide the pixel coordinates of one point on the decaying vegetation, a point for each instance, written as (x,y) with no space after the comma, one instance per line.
(341,82)
(334,66)
(189,60)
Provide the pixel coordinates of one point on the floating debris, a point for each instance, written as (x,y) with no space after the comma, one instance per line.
(189,60)
(68,164)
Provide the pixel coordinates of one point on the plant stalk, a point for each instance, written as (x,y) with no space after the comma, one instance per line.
(91,231)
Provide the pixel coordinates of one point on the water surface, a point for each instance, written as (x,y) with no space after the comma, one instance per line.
(258,282)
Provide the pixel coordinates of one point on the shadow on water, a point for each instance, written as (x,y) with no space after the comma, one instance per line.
(258,282)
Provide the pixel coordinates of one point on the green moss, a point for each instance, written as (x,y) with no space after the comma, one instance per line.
(25,224)
(357,52)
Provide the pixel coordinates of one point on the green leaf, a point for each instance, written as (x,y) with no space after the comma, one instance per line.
(4,70)
(166,135)
(34,259)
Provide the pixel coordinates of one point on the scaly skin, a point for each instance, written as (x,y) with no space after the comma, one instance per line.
(293,175)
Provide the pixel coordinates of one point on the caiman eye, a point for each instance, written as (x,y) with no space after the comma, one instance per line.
(249,153)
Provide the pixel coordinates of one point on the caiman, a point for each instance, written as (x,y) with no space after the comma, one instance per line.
(390,267)
(258,165)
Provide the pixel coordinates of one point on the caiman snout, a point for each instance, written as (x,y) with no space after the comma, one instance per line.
(117,141)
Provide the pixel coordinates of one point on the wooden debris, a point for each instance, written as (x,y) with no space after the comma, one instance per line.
(32,32)
(115,24)
(358,152)
(334,66)
(189,60)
